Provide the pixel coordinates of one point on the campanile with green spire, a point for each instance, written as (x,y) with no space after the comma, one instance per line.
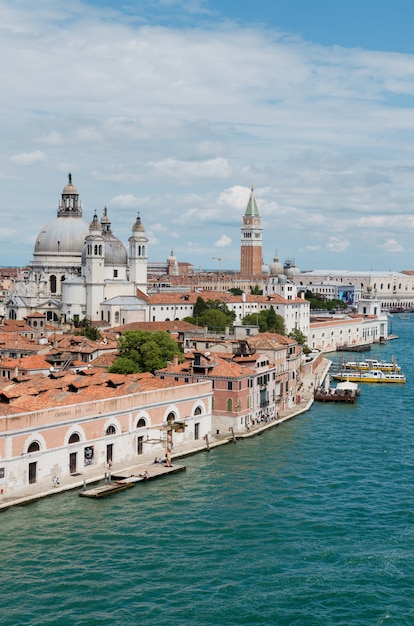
(251,240)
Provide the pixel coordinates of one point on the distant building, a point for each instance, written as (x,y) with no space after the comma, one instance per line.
(251,257)
(78,269)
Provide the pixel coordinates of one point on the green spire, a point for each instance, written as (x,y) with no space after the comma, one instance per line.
(251,205)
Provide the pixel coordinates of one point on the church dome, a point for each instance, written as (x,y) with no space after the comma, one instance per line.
(115,251)
(276,268)
(65,235)
(138,226)
(291,270)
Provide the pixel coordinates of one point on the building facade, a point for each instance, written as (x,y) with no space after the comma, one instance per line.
(115,421)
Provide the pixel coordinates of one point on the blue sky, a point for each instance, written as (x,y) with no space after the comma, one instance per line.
(175,107)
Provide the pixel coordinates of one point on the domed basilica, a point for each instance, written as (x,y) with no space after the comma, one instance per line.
(80,270)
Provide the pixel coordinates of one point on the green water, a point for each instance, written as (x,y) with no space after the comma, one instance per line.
(310,523)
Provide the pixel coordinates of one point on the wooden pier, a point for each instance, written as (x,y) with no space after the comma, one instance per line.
(122,480)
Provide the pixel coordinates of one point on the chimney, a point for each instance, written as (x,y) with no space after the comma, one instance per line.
(175,360)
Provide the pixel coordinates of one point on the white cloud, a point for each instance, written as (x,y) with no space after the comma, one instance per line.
(190,170)
(223,242)
(392,245)
(337,245)
(26,159)
(126,200)
(179,122)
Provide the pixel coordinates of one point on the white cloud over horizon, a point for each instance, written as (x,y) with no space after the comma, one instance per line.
(177,123)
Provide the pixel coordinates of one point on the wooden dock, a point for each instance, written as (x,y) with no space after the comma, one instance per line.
(128,478)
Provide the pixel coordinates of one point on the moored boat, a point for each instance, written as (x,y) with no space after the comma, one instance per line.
(370,376)
(372,364)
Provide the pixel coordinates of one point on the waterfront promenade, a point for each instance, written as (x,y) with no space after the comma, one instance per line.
(36,492)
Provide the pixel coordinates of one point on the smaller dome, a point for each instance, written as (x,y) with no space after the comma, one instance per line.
(115,251)
(105,218)
(69,188)
(138,226)
(95,224)
(282,280)
(276,267)
(291,270)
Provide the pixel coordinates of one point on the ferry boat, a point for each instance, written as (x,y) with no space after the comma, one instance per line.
(372,364)
(371,376)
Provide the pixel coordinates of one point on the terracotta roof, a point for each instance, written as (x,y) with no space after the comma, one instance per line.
(172,327)
(33,362)
(190,297)
(220,368)
(42,392)
(270,341)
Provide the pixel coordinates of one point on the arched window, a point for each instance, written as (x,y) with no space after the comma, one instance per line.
(198,411)
(116,317)
(111,430)
(12,315)
(229,405)
(74,438)
(53,284)
(170,417)
(141,423)
(34,447)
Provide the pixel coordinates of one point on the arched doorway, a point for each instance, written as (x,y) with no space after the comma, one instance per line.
(73,456)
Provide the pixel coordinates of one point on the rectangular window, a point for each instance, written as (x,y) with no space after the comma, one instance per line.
(229,385)
(196,431)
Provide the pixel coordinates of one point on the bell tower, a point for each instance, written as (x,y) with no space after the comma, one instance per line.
(251,240)
(138,256)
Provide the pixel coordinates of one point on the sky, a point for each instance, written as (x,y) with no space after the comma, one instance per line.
(174,108)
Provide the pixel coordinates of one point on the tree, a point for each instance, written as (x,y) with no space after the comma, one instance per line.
(214,314)
(256,291)
(124,365)
(147,351)
(275,322)
(268,321)
(86,329)
(200,307)
(236,291)
(298,336)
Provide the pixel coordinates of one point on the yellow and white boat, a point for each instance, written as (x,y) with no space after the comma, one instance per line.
(371,376)
(372,364)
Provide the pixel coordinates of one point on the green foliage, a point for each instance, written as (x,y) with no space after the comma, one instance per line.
(124,365)
(236,291)
(86,329)
(268,321)
(148,351)
(256,291)
(298,336)
(319,301)
(214,314)
(200,307)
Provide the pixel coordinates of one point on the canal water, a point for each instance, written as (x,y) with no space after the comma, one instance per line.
(310,523)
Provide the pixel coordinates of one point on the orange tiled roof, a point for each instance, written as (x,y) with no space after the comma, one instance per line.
(42,393)
(172,327)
